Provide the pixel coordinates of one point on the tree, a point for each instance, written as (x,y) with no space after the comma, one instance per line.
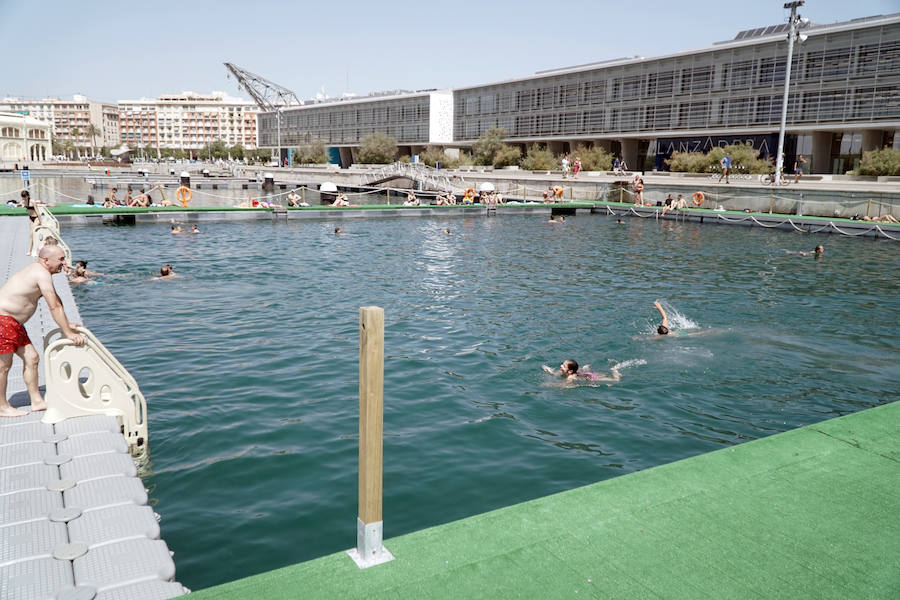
(236,152)
(538,159)
(486,147)
(75,133)
(92,131)
(377,148)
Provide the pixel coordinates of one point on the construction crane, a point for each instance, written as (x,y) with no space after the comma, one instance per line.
(269,96)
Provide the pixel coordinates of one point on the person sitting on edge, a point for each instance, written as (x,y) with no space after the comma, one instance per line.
(882,219)
(293,199)
(680,203)
(129,199)
(176,229)
(411,200)
(569,370)
(111,198)
(18,301)
(341,200)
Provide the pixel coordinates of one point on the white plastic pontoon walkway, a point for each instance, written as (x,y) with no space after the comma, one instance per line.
(74,520)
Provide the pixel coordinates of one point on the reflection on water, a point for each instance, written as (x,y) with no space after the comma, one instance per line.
(249,362)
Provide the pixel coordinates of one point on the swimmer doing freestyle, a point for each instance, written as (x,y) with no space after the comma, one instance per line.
(569,370)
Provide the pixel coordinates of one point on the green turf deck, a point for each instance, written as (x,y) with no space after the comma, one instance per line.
(810,513)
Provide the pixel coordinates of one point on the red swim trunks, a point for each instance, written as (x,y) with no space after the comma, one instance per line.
(12,335)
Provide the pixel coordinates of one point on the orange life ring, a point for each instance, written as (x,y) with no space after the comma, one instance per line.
(469,196)
(697,198)
(184,195)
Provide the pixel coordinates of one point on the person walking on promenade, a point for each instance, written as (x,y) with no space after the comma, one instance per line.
(18,301)
(798,167)
(726,167)
(576,167)
(565,165)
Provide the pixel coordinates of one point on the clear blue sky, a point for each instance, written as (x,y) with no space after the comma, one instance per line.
(126,50)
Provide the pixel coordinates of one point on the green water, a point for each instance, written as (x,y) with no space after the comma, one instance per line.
(249,362)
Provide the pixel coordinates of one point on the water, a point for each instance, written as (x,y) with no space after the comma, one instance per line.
(249,362)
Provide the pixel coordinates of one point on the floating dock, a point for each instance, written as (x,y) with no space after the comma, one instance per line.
(810,513)
(74,520)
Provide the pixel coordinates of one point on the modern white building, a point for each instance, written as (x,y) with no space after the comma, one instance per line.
(187,121)
(87,124)
(24,138)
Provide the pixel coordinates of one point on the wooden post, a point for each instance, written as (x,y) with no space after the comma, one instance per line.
(369,550)
(389,195)
(303,194)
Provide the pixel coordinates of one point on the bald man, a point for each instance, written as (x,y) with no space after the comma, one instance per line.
(18,301)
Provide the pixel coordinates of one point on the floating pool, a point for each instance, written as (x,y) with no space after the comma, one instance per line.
(249,362)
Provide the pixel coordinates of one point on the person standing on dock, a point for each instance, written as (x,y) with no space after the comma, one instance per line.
(18,301)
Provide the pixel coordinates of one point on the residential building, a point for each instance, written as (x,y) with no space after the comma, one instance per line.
(187,121)
(24,138)
(71,120)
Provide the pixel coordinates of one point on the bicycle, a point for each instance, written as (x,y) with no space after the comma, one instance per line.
(769,179)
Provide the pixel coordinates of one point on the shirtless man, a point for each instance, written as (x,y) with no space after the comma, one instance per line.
(18,301)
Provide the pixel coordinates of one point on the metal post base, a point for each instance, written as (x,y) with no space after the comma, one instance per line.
(369,550)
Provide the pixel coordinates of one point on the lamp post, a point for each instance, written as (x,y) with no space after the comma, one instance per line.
(278,126)
(796,22)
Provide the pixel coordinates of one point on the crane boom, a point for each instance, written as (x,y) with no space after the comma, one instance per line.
(269,96)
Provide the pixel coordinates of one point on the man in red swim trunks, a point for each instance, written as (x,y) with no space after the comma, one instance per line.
(18,301)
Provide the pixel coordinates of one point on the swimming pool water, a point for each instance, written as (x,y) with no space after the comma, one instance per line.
(249,362)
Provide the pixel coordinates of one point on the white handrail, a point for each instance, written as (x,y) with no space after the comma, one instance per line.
(47,218)
(88,380)
(41,233)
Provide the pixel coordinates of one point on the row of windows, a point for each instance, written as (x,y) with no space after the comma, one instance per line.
(864,60)
(405,133)
(10,132)
(360,116)
(861,103)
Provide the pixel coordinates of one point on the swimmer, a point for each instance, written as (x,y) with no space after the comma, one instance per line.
(176,229)
(195,229)
(447,231)
(818,251)
(559,219)
(167,272)
(665,331)
(663,328)
(569,370)
(620,221)
(78,274)
(337,231)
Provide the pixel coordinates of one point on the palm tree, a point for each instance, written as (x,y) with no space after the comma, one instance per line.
(75,133)
(92,131)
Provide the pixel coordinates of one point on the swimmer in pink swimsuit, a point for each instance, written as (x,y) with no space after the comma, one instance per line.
(569,370)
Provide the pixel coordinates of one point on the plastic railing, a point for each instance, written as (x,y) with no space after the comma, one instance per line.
(41,233)
(88,380)
(47,218)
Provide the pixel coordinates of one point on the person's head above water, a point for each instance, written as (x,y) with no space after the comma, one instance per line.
(569,367)
(166,270)
(662,330)
(819,250)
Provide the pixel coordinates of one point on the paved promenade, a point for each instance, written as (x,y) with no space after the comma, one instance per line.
(810,513)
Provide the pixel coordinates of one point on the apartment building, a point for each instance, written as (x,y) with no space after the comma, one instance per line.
(186,121)
(72,120)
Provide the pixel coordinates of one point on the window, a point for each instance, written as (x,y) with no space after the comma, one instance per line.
(693,114)
(735,111)
(696,79)
(659,117)
(739,74)
(771,70)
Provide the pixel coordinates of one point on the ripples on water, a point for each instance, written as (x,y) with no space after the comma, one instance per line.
(249,362)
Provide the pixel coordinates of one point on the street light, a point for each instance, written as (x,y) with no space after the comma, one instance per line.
(796,23)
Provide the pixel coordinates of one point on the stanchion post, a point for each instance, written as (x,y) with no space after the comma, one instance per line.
(369,550)
(303,194)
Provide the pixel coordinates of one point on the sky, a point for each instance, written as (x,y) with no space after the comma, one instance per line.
(113,51)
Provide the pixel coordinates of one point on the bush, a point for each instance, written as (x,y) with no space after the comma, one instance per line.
(236,152)
(432,155)
(507,156)
(488,145)
(538,159)
(594,158)
(879,162)
(313,153)
(377,148)
(743,158)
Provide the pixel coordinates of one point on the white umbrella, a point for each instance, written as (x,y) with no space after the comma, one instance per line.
(487,186)
(328,187)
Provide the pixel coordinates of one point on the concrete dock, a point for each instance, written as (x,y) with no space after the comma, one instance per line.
(74,520)
(810,513)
